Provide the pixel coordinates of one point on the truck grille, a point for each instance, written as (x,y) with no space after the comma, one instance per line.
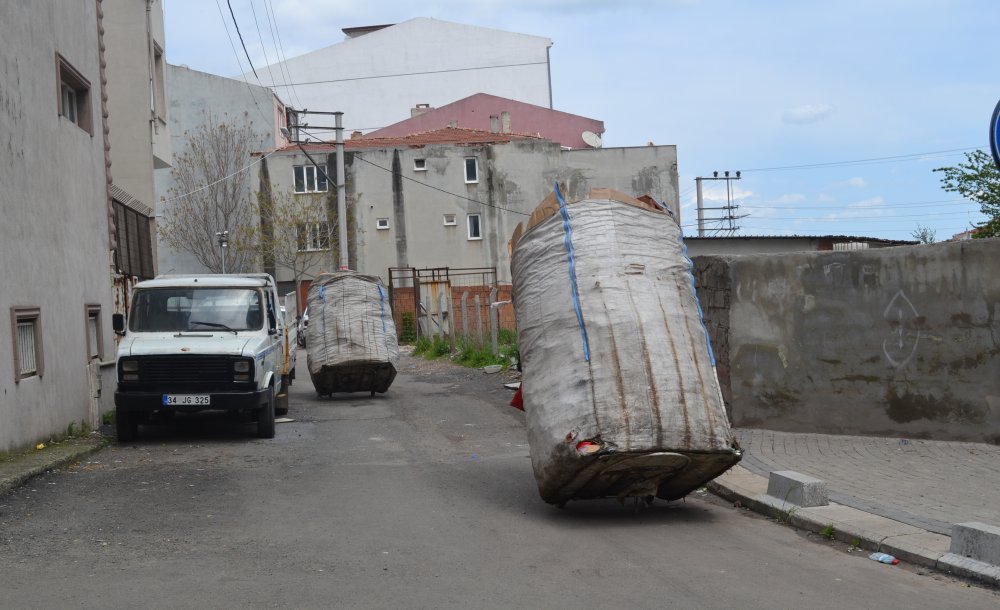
(187,372)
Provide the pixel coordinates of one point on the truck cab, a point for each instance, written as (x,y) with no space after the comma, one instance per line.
(203,342)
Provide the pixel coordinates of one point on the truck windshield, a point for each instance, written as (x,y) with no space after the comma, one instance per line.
(195,309)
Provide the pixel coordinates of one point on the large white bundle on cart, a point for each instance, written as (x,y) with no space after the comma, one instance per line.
(619,381)
(351,337)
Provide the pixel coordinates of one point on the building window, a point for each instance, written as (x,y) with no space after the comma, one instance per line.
(475,229)
(135,243)
(471,170)
(26,327)
(449,220)
(314,236)
(420,165)
(158,84)
(308,179)
(95,336)
(382,223)
(74,95)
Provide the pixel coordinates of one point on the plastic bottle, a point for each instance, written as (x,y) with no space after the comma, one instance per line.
(883,558)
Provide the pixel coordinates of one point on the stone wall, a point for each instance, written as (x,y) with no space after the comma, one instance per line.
(898,341)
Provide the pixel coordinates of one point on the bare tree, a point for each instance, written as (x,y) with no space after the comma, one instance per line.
(211,194)
(294,233)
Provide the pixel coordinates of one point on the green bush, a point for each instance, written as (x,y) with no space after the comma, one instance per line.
(439,348)
(422,346)
(407,330)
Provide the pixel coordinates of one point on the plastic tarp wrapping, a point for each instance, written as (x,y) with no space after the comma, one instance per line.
(619,384)
(351,338)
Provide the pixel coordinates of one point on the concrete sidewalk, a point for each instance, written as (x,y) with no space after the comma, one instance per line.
(895,495)
(17,468)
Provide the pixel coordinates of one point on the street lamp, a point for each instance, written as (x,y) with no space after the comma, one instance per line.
(223,244)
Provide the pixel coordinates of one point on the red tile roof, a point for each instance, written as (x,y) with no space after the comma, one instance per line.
(449,135)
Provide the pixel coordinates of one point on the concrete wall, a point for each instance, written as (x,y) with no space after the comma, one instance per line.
(140,137)
(897,341)
(420,61)
(701,246)
(54,235)
(513,179)
(195,99)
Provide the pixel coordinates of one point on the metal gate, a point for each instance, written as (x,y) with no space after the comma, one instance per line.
(424,302)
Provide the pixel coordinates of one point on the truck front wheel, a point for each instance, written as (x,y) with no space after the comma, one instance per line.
(265,418)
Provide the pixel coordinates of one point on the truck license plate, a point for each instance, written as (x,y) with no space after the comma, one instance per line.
(186,399)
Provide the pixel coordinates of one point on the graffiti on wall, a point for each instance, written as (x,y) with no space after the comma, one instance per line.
(900,345)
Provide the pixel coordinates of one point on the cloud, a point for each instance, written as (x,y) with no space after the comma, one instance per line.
(791,198)
(868,203)
(857,182)
(719,194)
(808,113)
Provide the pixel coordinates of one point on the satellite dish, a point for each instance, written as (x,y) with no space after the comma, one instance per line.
(591,138)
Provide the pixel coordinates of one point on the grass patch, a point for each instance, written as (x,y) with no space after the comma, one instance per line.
(828,532)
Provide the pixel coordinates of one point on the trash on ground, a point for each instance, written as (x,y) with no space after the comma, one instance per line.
(283,420)
(883,558)
(512,386)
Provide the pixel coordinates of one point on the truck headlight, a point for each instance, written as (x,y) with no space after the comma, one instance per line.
(243,370)
(130,370)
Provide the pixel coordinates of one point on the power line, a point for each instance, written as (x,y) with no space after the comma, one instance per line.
(263,47)
(917,204)
(237,26)
(891,159)
(223,179)
(386,169)
(240,64)
(356,78)
(276,33)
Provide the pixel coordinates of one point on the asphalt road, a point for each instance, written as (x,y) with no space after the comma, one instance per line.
(419,498)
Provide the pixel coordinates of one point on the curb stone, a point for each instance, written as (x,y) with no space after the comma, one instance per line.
(871,532)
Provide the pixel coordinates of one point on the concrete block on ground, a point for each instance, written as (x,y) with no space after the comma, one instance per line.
(977,541)
(789,487)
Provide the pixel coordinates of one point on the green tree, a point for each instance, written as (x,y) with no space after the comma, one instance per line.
(978,179)
(924,235)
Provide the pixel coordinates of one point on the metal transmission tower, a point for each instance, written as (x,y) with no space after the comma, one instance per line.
(725,223)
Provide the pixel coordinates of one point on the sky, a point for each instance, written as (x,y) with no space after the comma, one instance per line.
(835,112)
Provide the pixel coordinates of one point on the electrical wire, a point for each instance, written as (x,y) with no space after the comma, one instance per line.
(223,179)
(276,33)
(237,26)
(263,47)
(447,70)
(873,160)
(892,206)
(240,64)
(358,155)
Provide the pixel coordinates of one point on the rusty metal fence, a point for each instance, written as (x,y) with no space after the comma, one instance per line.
(452,303)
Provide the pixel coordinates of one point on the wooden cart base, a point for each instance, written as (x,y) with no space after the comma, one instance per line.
(371,377)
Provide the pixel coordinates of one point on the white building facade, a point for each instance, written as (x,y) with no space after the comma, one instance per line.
(377,75)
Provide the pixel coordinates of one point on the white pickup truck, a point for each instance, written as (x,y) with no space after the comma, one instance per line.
(203,342)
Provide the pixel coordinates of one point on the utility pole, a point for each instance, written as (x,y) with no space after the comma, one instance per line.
(341,188)
(729,214)
(341,192)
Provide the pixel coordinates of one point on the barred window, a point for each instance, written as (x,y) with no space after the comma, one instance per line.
(26,325)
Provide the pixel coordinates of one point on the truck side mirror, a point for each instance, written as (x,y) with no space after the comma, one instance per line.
(118,323)
(272,323)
